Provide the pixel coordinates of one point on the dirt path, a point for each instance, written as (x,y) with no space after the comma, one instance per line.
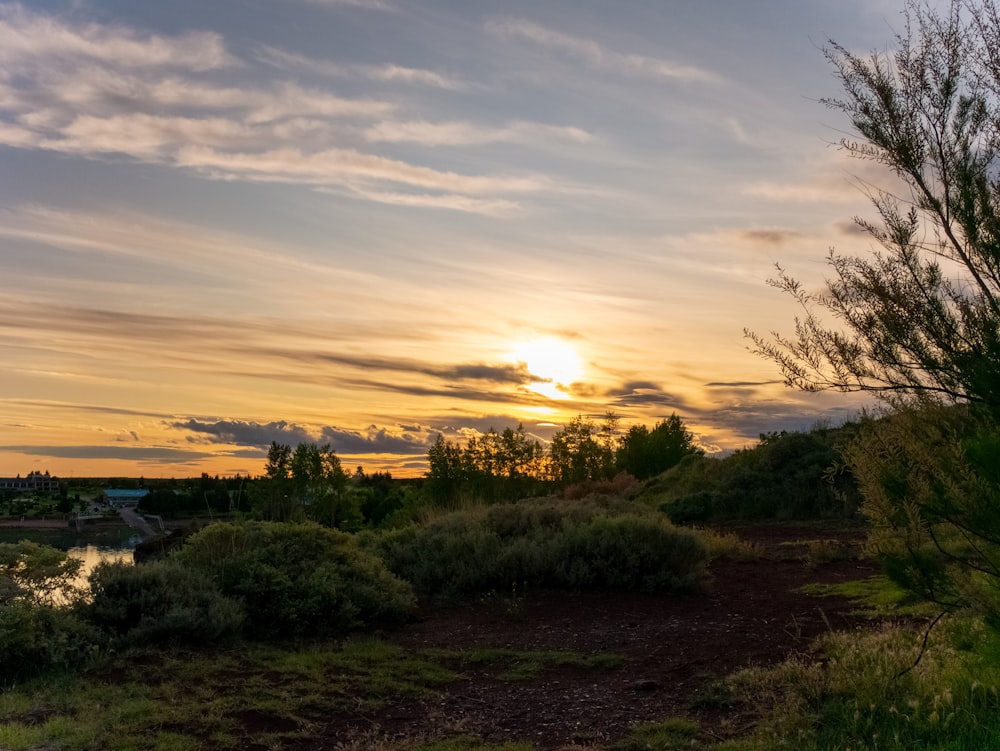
(751,614)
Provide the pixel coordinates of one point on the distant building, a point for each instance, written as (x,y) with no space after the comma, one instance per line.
(117,498)
(35,482)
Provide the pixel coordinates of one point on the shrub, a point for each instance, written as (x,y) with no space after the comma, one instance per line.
(786,476)
(35,639)
(629,552)
(591,545)
(623,484)
(296,579)
(159,601)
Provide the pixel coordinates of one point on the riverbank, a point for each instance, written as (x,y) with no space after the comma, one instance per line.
(35,523)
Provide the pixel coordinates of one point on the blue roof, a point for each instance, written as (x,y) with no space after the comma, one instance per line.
(126,493)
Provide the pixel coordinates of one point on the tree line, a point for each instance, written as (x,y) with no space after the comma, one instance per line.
(509,464)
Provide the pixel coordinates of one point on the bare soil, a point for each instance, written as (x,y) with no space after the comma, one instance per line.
(752,612)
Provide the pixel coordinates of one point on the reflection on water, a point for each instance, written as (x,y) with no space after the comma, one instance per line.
(91,555)
(92,546)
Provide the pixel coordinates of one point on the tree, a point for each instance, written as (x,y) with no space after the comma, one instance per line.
(644,453)
(917,320)
(580,452)
(918,317)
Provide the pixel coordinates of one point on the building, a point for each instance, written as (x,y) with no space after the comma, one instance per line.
(118,498)
(35,482)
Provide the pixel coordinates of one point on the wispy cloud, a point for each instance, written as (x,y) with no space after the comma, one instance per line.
(381,5)
(464,133)
(98,91)
(386,73)
(346,166)
(598,56)
(26,35)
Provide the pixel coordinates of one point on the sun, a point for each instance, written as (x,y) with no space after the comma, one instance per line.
(553,362)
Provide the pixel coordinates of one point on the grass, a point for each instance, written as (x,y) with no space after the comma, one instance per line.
(159,700)
(880,691)
(671,734)
(876,597)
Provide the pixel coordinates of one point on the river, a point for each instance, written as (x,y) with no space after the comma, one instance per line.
(92,546)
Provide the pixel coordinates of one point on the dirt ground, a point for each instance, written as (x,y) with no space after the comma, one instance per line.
(750,614)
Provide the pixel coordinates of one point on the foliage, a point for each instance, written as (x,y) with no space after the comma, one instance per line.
(867,691)
(35,574)
(297,579)
(921,315)
(508,466)
(623,485)
(307,482)
(38,631)
(588,545)
(492,467)
(932,496)
(36,639)
(581,451)
(644,453)
(786,476)
(157,602)
(257,696)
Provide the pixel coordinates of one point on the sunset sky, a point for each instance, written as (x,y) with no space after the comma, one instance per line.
(367,222)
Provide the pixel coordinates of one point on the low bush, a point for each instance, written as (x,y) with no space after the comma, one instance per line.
(36,639)
(297,579)
(786,476)
(159,601)
(599,544)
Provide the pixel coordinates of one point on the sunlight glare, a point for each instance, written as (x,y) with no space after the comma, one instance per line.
(554,362)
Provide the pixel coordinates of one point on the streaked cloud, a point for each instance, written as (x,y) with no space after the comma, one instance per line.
(464,133)
(26,36)
(598,56)
(388,73)
(381,5)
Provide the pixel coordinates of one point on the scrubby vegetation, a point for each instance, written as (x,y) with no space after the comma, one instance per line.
(595,544)
(786,476)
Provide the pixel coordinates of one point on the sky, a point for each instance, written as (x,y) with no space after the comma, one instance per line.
(370,222)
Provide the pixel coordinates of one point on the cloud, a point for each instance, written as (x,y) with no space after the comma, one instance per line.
(26,36)
(740,384)
(245,433)
(770,236)
(65,92)
(502,373)
(598,56)
(375,440)
(465,133)
(643,394)
(379,5)
(450,201)
(372,440)
(95,408)
(345,166)
(387,73)
(158,454)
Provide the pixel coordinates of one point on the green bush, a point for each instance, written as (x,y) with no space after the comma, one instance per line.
(629,552)
(599,544)
(159,601)
(296,579)
(786,476)
(35,639)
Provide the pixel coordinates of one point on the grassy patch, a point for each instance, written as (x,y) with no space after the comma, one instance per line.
(666,735)
(870,691)
(525,665)
(876,596)
(176,700)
